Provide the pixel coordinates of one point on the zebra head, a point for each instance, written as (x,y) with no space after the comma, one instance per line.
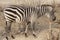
(50,12)
(51,16)
(47,10)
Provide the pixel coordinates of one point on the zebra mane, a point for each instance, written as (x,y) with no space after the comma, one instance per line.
(47,5)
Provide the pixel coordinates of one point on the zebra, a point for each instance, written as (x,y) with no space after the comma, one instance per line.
(19,14)
(22,14)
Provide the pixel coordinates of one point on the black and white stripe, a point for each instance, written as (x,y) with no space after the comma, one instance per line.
(14,12)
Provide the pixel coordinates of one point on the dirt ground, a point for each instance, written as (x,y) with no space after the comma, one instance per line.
(42,29)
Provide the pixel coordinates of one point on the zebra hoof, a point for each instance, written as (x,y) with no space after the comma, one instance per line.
(7,38)
(12,36)
(34,35)
(26,35)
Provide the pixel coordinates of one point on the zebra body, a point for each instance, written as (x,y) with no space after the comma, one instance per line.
(17,13)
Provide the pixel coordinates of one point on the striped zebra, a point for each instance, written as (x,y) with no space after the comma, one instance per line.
(19,14)
(24,14)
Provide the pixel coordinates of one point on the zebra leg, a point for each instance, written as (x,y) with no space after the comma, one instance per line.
(8,29)
(26,30)
(32,29)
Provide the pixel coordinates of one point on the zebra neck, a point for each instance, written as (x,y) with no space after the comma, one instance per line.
(31,9)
